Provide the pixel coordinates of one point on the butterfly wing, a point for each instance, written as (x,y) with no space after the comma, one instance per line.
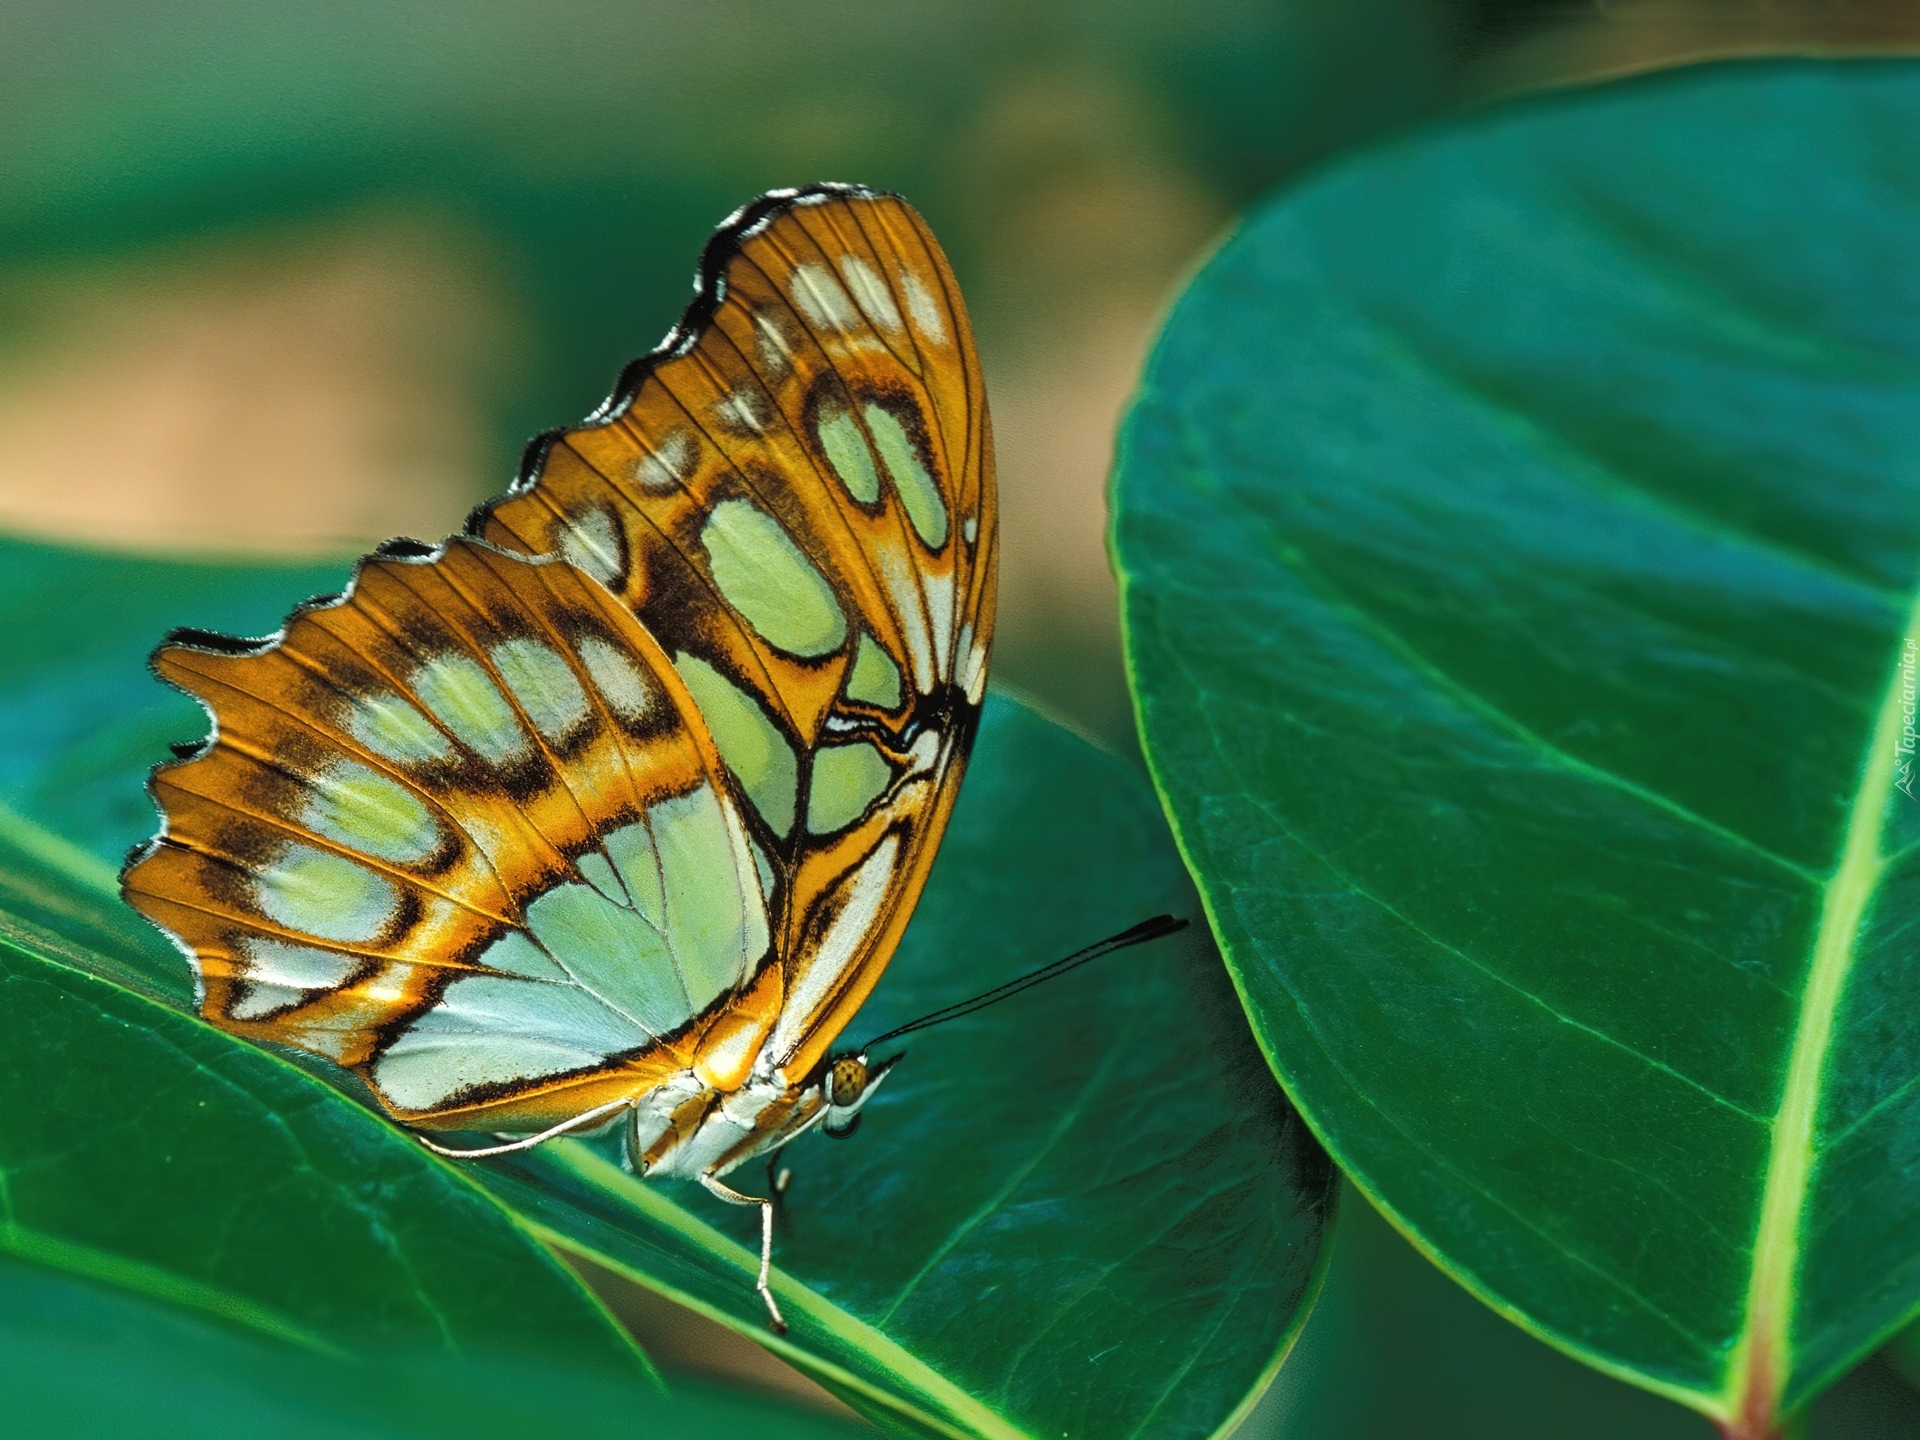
(463,831)
(649,772)
(795,495)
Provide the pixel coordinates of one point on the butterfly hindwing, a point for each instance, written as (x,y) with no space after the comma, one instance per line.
(796,496)
(463,831)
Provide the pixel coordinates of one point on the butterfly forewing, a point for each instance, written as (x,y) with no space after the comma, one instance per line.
(797,499)
(630,794)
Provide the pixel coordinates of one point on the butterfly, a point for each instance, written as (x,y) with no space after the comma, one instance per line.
(614,807)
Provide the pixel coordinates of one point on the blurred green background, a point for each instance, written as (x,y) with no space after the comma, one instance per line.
(288,280)
(297,279)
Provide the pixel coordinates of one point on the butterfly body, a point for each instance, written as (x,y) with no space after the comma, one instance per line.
(616,806)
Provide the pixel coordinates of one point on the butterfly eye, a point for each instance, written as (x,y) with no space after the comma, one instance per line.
(847,1085)
(846,1082)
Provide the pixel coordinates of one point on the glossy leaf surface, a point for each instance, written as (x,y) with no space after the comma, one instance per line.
(83,1359)
(1087,1210)
(1520,534)
(144,1150)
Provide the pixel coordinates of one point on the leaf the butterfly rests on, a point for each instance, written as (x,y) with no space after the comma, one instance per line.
(624,799)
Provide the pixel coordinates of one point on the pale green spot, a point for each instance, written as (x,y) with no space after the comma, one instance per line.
(918,493)
(275,962)
(707,906)
(695,924)
(671,463)
(847,779)
(821,299)
(394,730)
(924,309)
(279,975)
(631,849)
(749,742)
(763,865)
(514,953)
(467,702)
(875,679)
(614,953)
(491,1030)
(766,578)
(599,874)
(872,294)
(846,450)
(325,895)
(617,679)
(588,542)
(544,684)
(258,999)
(364,810)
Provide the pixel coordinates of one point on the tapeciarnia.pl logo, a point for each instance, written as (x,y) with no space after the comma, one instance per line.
(1903,750)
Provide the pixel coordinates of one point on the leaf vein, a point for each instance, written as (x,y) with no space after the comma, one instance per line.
(1068,1116)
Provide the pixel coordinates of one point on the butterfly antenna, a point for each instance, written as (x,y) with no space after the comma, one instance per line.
(1139,934)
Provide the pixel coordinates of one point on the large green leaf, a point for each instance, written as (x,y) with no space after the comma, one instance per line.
(1520,530)
(79,1358)
(147,1150)
(1088,1210)
(197,1239)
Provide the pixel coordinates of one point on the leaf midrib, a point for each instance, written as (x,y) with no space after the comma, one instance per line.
(1760,1361)
(1762,1355)
(155,1282)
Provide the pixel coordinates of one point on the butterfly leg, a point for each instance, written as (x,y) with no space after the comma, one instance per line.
(734,1197)
(525,1142)
(778,1176)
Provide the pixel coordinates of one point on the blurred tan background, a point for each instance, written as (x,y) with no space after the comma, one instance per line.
(286,281)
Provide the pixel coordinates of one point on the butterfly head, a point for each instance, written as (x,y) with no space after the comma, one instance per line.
(848,1084)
